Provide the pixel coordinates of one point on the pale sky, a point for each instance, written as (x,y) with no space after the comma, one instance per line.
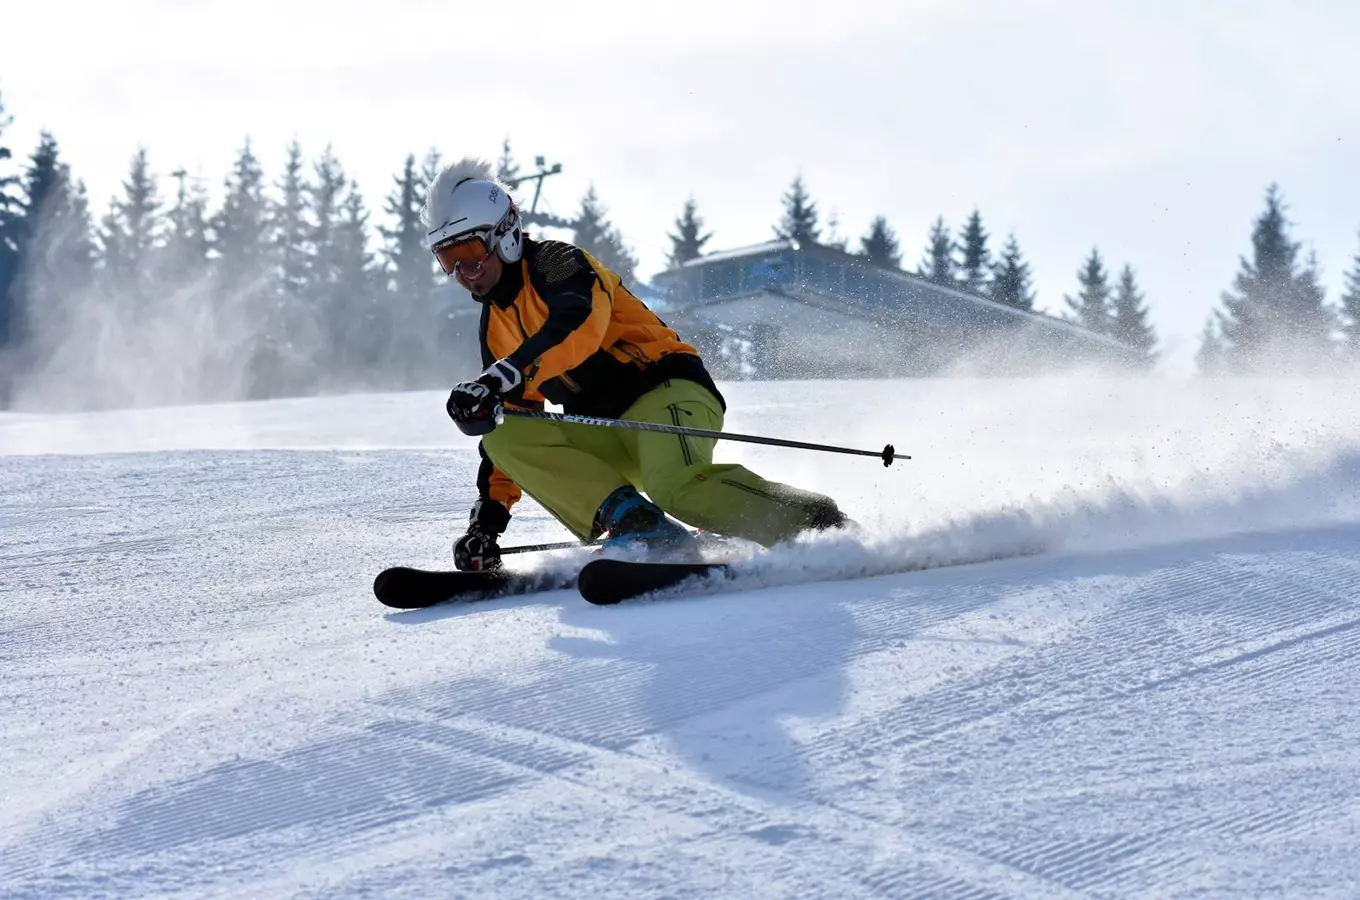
(1150,129)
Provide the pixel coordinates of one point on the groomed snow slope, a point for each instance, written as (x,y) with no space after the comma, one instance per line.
(200,696)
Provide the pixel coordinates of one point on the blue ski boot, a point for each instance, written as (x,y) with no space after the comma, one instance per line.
(638,527)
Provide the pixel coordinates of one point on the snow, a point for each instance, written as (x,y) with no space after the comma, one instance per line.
(1135,678)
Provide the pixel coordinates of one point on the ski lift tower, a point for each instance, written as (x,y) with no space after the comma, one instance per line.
(533,216)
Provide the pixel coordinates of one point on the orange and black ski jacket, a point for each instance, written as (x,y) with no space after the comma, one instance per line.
(581,338)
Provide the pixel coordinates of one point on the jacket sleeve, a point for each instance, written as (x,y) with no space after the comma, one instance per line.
(579,308)
(493,484)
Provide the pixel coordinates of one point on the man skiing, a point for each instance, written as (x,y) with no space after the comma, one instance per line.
(559,326)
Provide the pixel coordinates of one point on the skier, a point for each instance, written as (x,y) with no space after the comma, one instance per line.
(557,325)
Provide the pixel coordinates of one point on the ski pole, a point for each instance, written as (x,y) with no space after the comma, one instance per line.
(560,545)
(534,548)
(887,454)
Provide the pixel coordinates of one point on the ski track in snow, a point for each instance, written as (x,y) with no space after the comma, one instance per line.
(202,698)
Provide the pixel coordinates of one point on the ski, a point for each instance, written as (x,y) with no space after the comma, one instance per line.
(605,582)
(402,587)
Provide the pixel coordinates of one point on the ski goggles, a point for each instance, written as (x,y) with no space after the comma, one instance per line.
(467,253)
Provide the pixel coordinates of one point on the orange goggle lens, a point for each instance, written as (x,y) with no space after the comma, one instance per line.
(469,252)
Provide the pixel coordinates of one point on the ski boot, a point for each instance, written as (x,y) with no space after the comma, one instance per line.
(638,528)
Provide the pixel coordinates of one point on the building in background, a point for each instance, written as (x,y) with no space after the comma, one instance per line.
(781,310)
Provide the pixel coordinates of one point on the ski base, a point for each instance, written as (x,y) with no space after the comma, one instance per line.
(402,587)
(605,582)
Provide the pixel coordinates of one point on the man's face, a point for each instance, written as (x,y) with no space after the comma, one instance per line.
(479,279)
(471,261)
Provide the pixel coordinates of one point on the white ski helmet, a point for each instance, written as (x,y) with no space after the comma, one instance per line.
(465,202)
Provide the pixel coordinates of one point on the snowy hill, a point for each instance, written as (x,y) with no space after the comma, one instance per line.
(202,698)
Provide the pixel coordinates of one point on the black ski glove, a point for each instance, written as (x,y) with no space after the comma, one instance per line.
(475,406)
(477,550)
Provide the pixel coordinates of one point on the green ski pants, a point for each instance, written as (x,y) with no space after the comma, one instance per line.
(570,469)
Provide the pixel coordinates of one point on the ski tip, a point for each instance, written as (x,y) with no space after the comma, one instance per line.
(391,588)
(383,580)
(402,587)
(607,582)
